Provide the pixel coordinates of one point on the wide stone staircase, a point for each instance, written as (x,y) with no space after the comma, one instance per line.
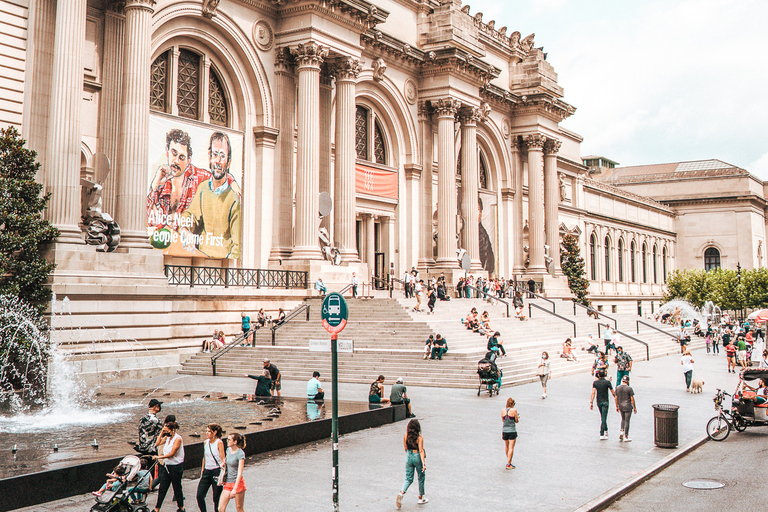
(389,339)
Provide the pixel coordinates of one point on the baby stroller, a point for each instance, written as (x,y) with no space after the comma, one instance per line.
(130,495)
(489,373)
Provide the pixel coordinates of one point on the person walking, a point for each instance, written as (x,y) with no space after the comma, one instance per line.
(544,372)
(431,299)
(246,327)
(687,363)
(415,461)
(600,389)
(354,282)
(213,459)
(730,357)
(171,474)
(623,364)
(234,485)
(608,340)
(419,291)
(625,404)
(510,417)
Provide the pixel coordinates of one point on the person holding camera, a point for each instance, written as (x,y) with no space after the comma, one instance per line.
(173,469)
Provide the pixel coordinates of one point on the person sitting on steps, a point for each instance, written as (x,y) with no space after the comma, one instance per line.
(496,345)
(439,347)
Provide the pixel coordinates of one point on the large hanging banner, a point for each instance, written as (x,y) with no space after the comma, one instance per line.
(193,193)
(375,182)
(488,216)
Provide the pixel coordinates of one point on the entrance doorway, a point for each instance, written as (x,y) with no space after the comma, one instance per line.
(380,270)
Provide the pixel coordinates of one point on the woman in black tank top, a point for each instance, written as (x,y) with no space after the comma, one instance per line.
(415,461)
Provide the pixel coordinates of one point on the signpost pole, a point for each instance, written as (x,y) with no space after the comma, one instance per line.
(335,421)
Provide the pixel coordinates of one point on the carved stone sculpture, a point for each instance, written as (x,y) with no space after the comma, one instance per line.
(379,67)
(101,229)
(209,8)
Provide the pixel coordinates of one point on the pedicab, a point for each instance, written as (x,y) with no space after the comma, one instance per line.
(749,408)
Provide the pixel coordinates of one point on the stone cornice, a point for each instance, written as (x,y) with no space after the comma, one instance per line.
(497,95)
(374,39)
(682,175)
(754,199)
(546,105)
(513,43)
(598,185)
(357,13)
(455,60)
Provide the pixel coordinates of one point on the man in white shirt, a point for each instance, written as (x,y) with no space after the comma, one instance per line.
(419,293)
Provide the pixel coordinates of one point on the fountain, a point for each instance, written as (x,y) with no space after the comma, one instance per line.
(75,432)
(687,311)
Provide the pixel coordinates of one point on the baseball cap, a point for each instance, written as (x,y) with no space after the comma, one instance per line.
(399,380)
(155,402)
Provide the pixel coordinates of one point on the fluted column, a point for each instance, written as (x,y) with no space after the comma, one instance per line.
(469,184)
(285,112)
(309,58)
(370,246)
(325,176)
(111,96)
(134,144)
(517,201)
(446,183)
(536,239)
(347,70)
(62,162)
(552,201)
(426,257)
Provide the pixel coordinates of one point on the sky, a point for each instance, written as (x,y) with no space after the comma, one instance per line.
(655,81)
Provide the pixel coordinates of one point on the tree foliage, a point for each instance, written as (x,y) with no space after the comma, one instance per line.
(23,269)
(728,289)
(574,269)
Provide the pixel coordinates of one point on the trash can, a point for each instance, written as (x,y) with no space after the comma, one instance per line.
(665,425)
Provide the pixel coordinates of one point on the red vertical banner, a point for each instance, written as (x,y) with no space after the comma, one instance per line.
(375,182)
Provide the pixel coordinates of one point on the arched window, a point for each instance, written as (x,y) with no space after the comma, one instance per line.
(621,260)
(593,256)
(190,73)
(632,251)
(367,138)
(655,267)
(711,259)
(645,262)
(607,259)
(664,264)
(483,172)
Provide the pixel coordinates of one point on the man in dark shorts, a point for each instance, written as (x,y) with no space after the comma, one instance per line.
(398,395)
(600,388)
(274,373)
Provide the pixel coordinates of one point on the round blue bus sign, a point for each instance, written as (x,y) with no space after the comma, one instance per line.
(334,313)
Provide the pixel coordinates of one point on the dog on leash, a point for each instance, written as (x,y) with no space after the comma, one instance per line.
(697,385)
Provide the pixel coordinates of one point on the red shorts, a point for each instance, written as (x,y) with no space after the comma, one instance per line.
(240,488)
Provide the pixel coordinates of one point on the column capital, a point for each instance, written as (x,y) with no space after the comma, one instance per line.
(425,111)
(535,141)
(446,106)
(552,146)
(310,54)
(139,4)
(469,116)
(347,68)
(284,60)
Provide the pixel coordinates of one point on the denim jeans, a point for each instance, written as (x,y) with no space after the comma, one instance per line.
(207,480)
(603,406)
(413,462)
(688,377)
(620,375)
(625,417)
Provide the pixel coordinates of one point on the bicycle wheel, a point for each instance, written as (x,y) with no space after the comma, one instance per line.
(718,428)
(739,424)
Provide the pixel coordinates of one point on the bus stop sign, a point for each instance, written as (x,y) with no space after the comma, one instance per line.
(334,313)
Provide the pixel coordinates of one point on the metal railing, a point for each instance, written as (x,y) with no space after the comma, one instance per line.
(226,277)
(638,322)
(647,347)
(396,280)
(386,284)
(530,305)
(237,341)
(290,316)
(596,312)
(520,288)
(489,296)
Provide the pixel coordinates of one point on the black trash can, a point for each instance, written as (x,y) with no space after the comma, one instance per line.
(665,425)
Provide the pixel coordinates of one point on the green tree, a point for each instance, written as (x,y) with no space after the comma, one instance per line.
(23,269)
(574,269)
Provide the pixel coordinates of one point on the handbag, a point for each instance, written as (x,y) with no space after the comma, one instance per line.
(541,370)
(222,470)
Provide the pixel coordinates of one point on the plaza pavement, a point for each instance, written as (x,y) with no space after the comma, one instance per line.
(561,462)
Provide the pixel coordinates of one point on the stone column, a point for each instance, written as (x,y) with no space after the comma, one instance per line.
(285,111)
(469,184)
(344,204)
(134,144)
(324,163)
(370,246)
(552,202)
(309,58)
(111,94)
(517,161)
(536,239)
(62,162)
(446,183)
(426,257)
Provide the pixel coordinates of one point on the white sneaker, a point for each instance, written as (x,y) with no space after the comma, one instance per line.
(621,436)
(423,500)
(544,396)
(399,501)
(627,440)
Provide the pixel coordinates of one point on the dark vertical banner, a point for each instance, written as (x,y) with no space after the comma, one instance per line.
(194,179)
(488,231)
